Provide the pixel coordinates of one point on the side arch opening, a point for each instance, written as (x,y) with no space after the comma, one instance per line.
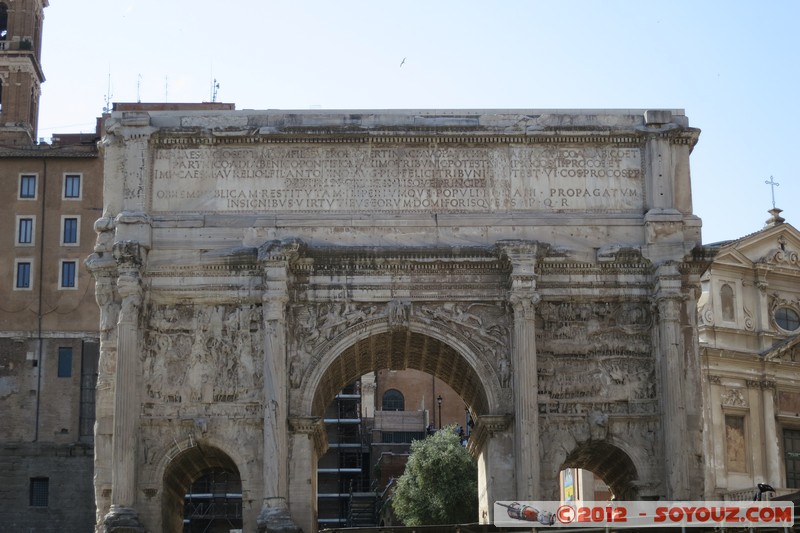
(202,491)
(607,462)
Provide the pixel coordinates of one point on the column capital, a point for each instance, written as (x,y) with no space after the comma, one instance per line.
(314,428)
(485,427)
(523,255)
(523,302)
(283,252)
(275,257)
(130,255)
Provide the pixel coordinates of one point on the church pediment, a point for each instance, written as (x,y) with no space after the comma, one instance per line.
(786,351)
(777,245)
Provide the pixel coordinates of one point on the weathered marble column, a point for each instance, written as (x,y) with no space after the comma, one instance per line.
(492,443)
(275,517)
(122,517)
(670,354)
(307,443)
(523,299)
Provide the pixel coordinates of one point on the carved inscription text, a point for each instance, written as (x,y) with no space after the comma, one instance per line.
(377,178)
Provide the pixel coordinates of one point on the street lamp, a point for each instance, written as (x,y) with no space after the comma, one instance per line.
(439,401)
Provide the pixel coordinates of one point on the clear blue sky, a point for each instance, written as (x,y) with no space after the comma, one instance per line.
(732,65)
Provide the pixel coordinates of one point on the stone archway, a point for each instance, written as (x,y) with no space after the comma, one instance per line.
(609,463)
(182,471)
(417,346)
(471,245)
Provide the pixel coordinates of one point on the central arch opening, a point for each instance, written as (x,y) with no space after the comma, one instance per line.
(378,395)
(400,350)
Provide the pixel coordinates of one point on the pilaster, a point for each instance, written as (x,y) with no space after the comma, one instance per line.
(772,456)
(492,442)
(308,442)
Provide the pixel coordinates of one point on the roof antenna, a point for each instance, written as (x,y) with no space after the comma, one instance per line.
(138,89)
(214,89)
(109,96)
(166,88)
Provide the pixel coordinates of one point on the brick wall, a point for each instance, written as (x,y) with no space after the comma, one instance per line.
(70,496)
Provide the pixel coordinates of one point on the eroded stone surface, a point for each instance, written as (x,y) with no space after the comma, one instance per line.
(538,262)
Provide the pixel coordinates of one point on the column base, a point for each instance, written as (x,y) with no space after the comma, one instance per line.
(275,518)
(122,520)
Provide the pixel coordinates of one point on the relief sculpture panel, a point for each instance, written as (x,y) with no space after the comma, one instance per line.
(596,355)
(206,354)
(594,328)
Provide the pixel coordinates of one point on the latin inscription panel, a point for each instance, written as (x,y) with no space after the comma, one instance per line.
(396,179)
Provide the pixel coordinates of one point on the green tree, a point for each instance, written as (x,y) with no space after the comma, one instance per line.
(440,483)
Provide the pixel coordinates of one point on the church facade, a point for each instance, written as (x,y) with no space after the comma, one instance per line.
(249,265)
(749,325)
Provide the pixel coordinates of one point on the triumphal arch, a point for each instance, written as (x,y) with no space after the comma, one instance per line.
(249,265)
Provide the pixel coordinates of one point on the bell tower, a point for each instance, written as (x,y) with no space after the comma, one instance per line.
(21,75)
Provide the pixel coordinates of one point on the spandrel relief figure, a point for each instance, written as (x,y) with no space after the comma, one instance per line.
(305,327)
(505,372)
(485,324)
(296,367)
(397,312)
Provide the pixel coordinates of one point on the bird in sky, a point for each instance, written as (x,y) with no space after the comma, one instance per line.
(403,62)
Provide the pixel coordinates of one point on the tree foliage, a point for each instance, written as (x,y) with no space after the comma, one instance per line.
(440,483)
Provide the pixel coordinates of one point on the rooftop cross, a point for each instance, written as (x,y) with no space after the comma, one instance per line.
(771,182)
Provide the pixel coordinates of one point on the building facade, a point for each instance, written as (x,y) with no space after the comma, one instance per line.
(49,342)
(749,325)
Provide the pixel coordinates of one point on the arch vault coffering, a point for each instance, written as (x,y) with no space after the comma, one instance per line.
(183,470)
(609,463)
(398,350)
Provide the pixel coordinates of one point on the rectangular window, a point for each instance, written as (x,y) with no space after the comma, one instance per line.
(40,487)
(65,362)
(72,186)
(25,230)
(791,447)
(69,235)
(90,355)
(68,274)
(23,275)
(27,186)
